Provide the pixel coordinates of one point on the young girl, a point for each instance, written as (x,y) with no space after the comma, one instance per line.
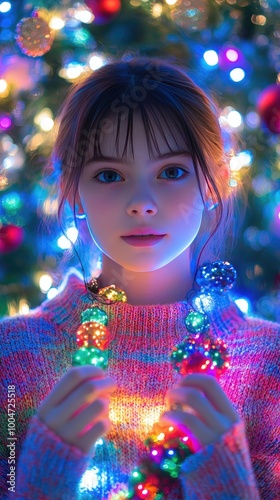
(91,374)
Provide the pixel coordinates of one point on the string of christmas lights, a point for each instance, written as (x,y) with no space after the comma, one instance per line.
(167,447)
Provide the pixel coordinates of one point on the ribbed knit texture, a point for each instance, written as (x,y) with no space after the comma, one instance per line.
(36,351)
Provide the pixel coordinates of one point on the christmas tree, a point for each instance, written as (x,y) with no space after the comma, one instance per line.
(230,48)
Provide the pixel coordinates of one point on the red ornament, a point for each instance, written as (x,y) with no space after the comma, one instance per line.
(147,491)
(196,363)
(93,334)
(11,238)
(103,10)
(268,106)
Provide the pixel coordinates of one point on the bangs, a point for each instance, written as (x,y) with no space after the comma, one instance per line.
(158,122)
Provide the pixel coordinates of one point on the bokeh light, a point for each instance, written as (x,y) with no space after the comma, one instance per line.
(211,57)
(5,7)
(45,282)
(237,74)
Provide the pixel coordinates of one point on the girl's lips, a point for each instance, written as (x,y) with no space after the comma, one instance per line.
(143,241)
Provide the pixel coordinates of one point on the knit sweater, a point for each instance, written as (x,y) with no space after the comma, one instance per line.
(36,351)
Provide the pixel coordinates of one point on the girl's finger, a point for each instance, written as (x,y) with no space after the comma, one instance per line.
(88,440)
(74,377)
(198,433)
(213,392)
(203,408)
(86,393)
(83,422)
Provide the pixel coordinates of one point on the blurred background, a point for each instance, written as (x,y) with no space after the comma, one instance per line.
(229,47)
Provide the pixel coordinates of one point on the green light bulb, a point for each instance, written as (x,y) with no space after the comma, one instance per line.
(197,322)
(90,356)
(94,314)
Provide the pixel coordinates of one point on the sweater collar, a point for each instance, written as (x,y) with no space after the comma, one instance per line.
(73,298)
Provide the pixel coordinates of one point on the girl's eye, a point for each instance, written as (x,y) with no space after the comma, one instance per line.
(109,176)
(174,172)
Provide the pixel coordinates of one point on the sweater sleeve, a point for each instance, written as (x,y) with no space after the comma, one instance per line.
(44,451)
(263,410)
(34,461)
(221,470)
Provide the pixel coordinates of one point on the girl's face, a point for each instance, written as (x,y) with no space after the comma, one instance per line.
(161,193)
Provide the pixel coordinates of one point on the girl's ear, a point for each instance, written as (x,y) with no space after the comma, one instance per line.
(211,201)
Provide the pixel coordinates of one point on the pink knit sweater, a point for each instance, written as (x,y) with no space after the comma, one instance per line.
(36,351)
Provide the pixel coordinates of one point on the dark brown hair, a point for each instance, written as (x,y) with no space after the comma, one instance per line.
(161,93)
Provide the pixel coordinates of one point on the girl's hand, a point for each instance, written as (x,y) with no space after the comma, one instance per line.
(201,406)
(77,408)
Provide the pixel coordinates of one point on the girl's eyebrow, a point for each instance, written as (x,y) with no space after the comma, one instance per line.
(111,159)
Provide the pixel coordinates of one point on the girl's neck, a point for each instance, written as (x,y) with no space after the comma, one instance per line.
(162,286)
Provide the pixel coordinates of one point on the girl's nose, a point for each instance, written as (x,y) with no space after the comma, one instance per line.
(142,205)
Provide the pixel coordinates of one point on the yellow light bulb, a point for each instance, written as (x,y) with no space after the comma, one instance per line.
(157,10)
(56,23)
(4,88)
(45,283)
(23,307)
(44,119)
(47,124)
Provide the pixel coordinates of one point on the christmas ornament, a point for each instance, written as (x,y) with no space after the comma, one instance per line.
(191,15)
(219,276)
(268,106)
(199,352)
(34,36)
(11,238)
(103,10)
